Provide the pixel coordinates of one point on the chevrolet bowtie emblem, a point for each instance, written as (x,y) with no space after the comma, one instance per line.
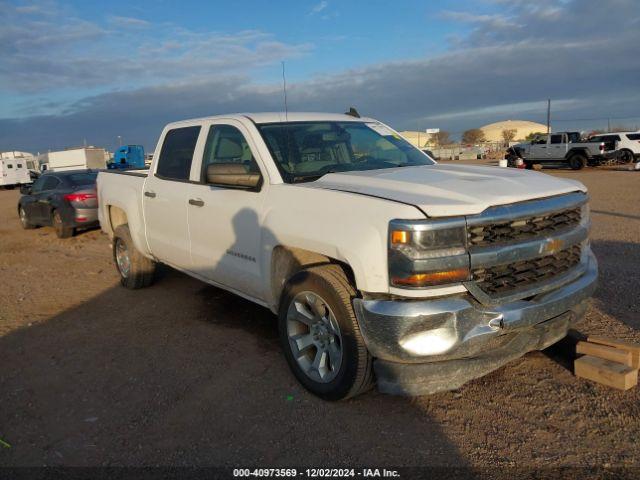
(551,246)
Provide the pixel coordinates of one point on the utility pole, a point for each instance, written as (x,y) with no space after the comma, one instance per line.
(608,125)
(119,140)
(548,116)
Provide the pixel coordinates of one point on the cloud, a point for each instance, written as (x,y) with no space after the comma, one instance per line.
(127,22)
(319,7)
(494,73)
(62,51)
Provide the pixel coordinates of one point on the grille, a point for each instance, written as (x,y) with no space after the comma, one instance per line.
(523,229)
(503,279)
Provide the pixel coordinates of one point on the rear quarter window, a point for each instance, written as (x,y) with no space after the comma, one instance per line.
(633,136)
(176,155)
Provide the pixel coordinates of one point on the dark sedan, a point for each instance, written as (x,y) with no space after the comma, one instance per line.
(64,200)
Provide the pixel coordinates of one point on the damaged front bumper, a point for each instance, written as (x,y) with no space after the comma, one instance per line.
(426,346)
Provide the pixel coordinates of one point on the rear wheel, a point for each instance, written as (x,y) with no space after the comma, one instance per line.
(62,230)
(136,270)
(577,161)
(320,334)
(24,219)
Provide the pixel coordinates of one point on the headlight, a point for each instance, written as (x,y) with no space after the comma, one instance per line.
(425,253)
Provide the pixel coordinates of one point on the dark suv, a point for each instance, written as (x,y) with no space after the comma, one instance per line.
(64,200)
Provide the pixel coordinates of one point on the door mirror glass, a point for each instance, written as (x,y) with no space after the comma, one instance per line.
(232,175)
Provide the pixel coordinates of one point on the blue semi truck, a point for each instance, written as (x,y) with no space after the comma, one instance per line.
(127,156)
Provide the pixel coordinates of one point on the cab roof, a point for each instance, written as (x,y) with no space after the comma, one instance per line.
(280,117)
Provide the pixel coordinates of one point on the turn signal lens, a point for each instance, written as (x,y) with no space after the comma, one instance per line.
(433,278)
(399,237)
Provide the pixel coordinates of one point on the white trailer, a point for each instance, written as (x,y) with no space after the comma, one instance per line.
(76,159)
(13,171)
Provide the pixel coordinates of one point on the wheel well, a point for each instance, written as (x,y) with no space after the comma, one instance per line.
(117,217)
(581,152)
(287,261)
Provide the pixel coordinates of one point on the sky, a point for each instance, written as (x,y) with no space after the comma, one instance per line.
(81,71)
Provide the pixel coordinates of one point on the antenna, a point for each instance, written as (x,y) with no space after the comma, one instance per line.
(284,90)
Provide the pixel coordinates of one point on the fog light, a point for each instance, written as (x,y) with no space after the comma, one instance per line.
(432,342)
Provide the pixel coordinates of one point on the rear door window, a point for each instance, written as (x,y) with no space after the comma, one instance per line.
(177,153)
(50,183)
(556,139)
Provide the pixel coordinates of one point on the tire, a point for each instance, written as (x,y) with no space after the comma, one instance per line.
(577,161)
(528,165)
(336,329)
(62,231)
(136,270)
(24,219)
(625,156)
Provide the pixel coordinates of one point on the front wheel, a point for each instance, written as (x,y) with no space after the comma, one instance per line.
(320,335)
(625,156)
(136,270)
(24,219)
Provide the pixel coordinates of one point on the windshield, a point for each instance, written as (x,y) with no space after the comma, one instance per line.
(304,151)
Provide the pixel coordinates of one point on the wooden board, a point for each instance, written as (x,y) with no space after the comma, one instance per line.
(606,372)
(632,347)
(603,351)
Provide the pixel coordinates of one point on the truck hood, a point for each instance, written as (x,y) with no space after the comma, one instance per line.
(446,190)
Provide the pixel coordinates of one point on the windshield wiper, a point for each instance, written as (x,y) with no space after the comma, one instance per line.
(309,178)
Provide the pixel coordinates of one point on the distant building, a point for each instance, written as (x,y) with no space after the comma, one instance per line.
(493,131)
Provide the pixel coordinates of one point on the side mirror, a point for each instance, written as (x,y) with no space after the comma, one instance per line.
(25,189)
(232,175)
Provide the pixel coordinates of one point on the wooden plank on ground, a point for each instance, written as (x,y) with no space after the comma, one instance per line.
(606,372)
(603,351)
(632,347)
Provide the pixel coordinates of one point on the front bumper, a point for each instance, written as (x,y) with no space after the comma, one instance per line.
(426,346)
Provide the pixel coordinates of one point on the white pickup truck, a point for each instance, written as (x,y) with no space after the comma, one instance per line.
(560,147)
(382,266)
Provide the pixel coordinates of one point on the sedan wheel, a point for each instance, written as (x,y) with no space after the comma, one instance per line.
(62,231)
(24,219)
(314,337)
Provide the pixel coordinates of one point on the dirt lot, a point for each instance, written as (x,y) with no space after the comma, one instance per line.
(183,373)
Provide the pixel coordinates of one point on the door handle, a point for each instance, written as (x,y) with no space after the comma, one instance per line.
(196,202)
(150,194)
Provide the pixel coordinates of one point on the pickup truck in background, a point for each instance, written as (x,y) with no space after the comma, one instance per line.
(382,266)
(561,147)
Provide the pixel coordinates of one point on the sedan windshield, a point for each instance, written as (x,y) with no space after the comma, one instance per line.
(305,151)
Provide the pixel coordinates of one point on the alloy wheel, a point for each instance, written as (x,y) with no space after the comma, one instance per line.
(314,337)
(122,258)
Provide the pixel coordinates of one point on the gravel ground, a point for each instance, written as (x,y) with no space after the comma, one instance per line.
(183,373)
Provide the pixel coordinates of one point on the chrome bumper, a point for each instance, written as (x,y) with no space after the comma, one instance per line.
(450,334)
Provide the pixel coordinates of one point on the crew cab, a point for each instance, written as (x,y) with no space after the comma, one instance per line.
(382,266)
(560,147)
